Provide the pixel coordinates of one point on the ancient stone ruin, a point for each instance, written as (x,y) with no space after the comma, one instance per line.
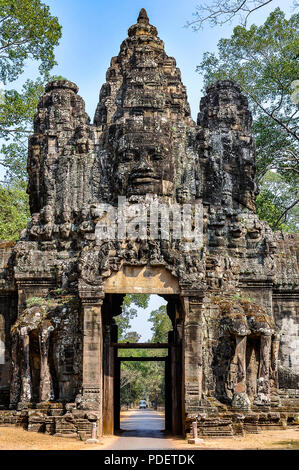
(232,361)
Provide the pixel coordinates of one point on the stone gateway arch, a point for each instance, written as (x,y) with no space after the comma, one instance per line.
(232,359)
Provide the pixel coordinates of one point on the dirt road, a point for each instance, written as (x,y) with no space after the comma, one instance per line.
(140,429)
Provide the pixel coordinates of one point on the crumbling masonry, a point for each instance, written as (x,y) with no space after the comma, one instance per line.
(234,348)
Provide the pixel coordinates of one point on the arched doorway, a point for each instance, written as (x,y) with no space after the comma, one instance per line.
(145,280)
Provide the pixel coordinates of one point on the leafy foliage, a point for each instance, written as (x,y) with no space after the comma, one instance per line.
(161,325)
(14,213)
(140,300)
(277,195)
(27,31)
(128,313)
(263,60)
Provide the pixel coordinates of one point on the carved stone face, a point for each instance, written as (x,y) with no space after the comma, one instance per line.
(35,218)
(143,163)
(66,216)
(46,215)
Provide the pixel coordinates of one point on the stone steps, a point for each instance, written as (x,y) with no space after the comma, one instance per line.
(251,428)
(216,432)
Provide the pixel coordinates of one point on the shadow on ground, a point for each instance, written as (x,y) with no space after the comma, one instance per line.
(288,444)
(143,423)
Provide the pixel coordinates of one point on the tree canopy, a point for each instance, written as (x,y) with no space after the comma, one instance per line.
(161,324)
(128,313)
(28,32)
(14,211)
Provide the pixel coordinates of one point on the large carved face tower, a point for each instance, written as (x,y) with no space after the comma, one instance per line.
(145,117)
(143,139)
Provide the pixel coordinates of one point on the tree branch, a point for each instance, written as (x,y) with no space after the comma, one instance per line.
(13,44)
(254,9)
(226,10)
(278,121)
(285,212)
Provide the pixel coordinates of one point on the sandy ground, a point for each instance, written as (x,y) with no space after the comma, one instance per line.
(266,440)
(15,438)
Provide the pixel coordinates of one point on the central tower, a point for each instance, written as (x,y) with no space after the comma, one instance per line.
(145,119)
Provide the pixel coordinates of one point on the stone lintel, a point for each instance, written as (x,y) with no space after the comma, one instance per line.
(142,280)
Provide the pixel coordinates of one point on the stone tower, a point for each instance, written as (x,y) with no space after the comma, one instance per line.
(231,293)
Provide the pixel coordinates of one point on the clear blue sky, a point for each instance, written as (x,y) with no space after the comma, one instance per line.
(94,29)
(141,323)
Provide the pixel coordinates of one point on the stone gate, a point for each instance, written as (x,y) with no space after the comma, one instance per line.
(232,293)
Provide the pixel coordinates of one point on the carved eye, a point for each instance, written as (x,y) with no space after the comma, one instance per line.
(136,156)
(126,156)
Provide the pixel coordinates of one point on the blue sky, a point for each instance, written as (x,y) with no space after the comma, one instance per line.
(94,29)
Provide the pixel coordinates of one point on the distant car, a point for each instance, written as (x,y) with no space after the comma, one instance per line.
(142,404)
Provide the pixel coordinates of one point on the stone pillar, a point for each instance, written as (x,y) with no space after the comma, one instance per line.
(274,360)
(192,354)
(92,359)
(108,371)
(240,398)
(26,385)
(176,387)
(168,396)
(263,382)
(15,365)
(45,389)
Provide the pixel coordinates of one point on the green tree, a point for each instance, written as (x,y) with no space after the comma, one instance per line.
(161,325)
(27,32)
(14,213)
(132,337)
(277,203)
(133,381)
(129,312)
(263,60)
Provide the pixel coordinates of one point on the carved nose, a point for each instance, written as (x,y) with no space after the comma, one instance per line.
(144,163)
